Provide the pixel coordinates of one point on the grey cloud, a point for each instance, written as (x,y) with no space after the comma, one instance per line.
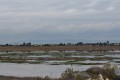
(22,17)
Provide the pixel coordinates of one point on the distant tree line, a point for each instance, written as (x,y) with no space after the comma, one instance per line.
(29,44)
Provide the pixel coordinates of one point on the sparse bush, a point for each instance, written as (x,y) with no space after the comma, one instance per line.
(69,74)
(110,71)
(47,78)
(107,71)
(82,76)
(94,72)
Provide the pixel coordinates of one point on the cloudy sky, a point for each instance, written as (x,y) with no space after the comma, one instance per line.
(51,21)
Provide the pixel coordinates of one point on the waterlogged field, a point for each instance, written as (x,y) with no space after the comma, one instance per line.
(32,64)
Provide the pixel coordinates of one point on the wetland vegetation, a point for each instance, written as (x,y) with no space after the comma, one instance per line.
(54,63)
(61,57)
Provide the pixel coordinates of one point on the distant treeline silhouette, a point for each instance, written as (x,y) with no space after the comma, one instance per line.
(107,43)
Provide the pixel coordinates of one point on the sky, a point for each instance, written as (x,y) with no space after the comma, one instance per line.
(54,21)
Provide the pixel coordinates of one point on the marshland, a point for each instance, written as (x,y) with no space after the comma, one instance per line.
(53,63)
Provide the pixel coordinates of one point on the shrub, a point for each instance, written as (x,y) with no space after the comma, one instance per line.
(69,74)
(94,72)
(110,71)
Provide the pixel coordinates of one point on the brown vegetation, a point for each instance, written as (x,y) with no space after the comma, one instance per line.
(59,48)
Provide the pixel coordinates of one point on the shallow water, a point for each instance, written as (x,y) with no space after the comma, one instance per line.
(113,55)
(88,61)
(34,70)
(82,56)
(45,68)
(42,56)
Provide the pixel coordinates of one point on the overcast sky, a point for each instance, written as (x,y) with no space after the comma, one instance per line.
(51,21)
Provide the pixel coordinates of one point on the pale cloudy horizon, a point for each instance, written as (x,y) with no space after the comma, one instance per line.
(51,21)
